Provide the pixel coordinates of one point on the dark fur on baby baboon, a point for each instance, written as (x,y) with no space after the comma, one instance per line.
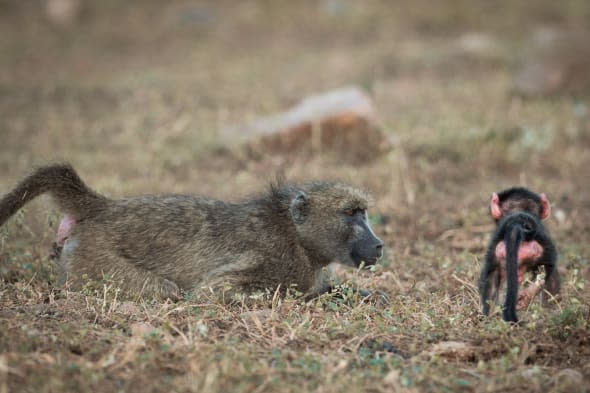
(514,230)
(157,245)
(520,244)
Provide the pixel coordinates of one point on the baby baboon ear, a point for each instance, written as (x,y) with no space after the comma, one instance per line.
(495,209)
(298,207)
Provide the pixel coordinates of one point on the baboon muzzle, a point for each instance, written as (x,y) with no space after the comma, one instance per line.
(368,248)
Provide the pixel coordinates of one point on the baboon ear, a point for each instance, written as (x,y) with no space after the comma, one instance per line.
(495,209)
(299,207)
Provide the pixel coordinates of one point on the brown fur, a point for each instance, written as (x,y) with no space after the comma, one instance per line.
(157,244)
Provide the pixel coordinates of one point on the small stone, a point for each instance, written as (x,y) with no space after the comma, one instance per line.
(531,373)
(453,350)
(141,329)
(560,216)
(62,12)
(479,45)
(256,315)
(392,379)
(128,308)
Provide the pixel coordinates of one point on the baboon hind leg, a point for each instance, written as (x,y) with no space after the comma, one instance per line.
(134,282)
(489,285)
(552,284)
(137,282)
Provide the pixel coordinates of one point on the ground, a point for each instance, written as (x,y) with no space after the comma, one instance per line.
(135,96)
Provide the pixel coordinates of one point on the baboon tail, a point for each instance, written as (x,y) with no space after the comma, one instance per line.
(512,241)
(62,182)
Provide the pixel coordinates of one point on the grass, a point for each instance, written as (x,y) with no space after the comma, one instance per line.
(137,106)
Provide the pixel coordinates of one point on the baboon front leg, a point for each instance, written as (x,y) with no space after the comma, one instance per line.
(325,284)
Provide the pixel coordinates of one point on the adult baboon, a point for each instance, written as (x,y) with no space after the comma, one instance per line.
(156,245)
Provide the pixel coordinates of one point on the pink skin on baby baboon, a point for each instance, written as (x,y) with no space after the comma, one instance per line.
(527,252)
(64,229)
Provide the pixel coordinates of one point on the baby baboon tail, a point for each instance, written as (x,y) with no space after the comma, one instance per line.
(62,182)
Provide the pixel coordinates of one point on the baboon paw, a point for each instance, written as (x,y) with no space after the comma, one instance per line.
(169,290)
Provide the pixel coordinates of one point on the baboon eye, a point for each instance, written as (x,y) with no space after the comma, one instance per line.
(352,212)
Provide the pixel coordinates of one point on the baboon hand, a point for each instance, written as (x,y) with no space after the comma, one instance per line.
(169,290)
(376,295)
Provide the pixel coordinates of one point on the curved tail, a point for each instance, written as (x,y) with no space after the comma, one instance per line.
(512,240)
(62,182)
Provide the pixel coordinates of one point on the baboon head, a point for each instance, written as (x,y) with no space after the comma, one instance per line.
(332,224)
(519,199)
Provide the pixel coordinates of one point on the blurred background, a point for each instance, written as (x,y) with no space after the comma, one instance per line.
(431,105)
(463,98)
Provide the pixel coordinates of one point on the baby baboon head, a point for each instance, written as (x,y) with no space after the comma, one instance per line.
(332,224)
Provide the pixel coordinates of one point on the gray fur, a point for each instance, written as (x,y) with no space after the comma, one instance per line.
(154,245)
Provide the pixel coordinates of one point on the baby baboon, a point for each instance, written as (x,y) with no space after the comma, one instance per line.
(520,199)
(156,245)
(519,244)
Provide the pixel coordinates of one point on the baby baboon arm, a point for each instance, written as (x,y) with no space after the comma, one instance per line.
(526,296)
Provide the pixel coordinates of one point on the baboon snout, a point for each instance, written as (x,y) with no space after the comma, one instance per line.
(379,247)
(376,249)
(370,250)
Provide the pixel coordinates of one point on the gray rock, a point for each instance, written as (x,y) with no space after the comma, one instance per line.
(342,121)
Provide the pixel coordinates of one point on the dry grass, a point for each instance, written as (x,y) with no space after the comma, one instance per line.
(135,97)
